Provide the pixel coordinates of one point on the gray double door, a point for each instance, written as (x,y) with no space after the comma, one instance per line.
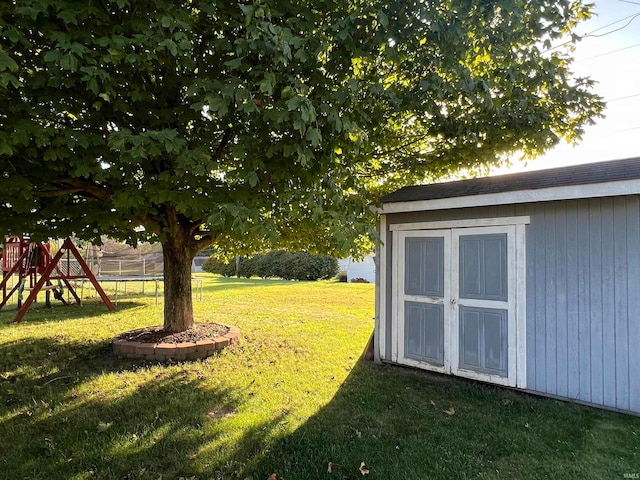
(455,303)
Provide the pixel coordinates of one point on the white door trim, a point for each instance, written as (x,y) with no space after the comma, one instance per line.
(381,294)
(515,305)
(400,297)
(509,305)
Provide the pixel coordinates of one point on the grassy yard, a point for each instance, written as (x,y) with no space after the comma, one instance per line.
(292,398)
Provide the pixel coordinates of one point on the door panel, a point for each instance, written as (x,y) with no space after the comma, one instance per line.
(424,266)
(422,284)
(483,266)
(483,340)
(424,332)
(483,276)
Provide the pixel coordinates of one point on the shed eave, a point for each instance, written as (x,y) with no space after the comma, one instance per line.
(592,190)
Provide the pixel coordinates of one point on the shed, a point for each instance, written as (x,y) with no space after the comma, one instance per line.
(528,280)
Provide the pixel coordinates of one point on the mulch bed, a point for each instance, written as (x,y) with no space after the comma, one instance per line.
(200,331)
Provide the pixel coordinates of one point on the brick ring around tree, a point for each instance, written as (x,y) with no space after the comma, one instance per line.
(152,343)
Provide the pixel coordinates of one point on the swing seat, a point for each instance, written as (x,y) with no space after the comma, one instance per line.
(44,287)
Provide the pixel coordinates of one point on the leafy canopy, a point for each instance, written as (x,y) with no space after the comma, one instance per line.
(273,121)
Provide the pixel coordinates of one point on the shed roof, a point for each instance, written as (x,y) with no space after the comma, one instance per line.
(585,174)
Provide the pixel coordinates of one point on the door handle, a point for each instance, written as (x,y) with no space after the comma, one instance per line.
(453,301)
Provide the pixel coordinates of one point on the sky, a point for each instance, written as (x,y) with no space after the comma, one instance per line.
(610,54)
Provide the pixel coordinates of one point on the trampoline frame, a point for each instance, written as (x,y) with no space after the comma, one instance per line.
(141,278)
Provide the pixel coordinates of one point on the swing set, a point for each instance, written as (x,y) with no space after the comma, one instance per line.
(33,269)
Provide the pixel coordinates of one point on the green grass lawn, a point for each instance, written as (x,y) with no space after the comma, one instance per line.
(292,398)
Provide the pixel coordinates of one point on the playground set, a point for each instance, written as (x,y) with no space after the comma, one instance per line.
(33,269)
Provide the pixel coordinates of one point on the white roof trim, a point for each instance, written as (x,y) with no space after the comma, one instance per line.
(607,189)
(466,223)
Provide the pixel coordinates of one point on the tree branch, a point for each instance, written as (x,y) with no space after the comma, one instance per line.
(149,223)
(205,241)
(82,186)
(226,138)
(195,227)
(391,151)
(58,193)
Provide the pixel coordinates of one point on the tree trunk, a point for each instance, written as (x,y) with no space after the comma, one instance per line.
(178,253)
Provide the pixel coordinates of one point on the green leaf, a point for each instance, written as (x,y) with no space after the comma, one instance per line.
(267,83)
(248,11)
(383,19)
(69,62)
(294,103)
(49,155)
(314,136)
(252,179)
(234,64)
(7,78)
(7,63)
(68,17)
(83,170)
(5,149)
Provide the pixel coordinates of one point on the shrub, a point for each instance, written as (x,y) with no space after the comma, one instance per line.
(228,269)
(312,267)
(327,267)
(246,267)
(278,263)
(342,277)
(269,265)
(213,265)
(359,280)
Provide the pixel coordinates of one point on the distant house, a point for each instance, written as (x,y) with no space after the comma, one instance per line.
(365,268)
(528,280)
(196,264)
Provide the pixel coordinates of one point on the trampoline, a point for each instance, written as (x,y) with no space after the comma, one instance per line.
(144,279)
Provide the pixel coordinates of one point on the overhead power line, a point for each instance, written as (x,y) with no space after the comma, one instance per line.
(609,53)
(631,18)
(612,23)
(623,98)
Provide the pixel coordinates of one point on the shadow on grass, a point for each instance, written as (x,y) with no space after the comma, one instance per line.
(407,425)
(217,283)
(171,421)
(52,365)
(153,422)
(39,313)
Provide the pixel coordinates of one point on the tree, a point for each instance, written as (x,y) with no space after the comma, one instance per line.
(273,122)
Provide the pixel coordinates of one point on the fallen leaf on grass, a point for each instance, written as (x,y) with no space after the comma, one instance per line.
(450,412)
(505,402)
(103,426)
(329,467)
(272,477)
(224,412)
(363,470)
(433,403)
